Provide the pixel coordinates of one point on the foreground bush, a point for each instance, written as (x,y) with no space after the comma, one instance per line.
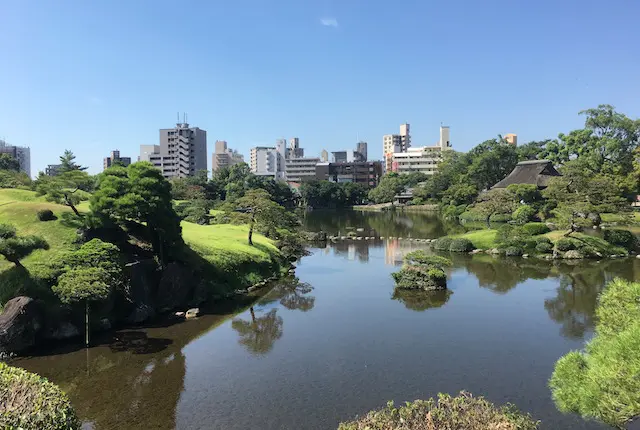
(32,402)
(461,412)
(603,381)
(46,215)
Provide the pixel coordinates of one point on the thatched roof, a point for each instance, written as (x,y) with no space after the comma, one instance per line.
(534,172)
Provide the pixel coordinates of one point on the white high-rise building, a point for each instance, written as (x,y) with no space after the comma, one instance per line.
(269,160)
(20,153)
(423,159)
(182,151)
(394,143)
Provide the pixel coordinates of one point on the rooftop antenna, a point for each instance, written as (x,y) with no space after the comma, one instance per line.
(178,116)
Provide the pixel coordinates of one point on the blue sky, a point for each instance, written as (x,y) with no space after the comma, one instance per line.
(92,76)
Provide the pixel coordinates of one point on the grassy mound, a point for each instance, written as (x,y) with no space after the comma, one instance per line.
(447,412)
(32,402)
(603,382)
(481,239)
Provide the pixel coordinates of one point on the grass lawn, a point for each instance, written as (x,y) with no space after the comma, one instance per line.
(481,239)
(632,218)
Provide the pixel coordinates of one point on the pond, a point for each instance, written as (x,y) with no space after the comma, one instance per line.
(336,342)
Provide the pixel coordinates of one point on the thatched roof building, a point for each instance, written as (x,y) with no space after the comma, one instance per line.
(534,172)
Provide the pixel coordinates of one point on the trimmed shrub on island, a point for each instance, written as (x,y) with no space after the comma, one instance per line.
(421,257)
(32,402)
(446,412)
(602,381)
(461,245)
(442,244)
(623,238)
(420,277)
(46,215)
(523,214)
(535,228)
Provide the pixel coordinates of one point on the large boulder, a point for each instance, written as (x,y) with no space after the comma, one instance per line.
(143,281)
(175,288)
(20,324)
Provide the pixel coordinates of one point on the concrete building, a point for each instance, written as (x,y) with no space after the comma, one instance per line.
(294,150)
(20,153)
(361,148)
(113,157)
(224,156)
(512,139)
(52,169)
(362,172)
(301,169)
(423,159)
(182,151)
(324,156)
(394,143)
(269,160)
(348,156)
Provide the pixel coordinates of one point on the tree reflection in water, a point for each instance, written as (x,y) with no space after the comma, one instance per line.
(421,300)
(259,334)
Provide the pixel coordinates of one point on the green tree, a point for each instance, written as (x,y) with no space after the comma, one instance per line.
(67,162)
(65,188)
(491,161)
(460,194)
(14,248)
(139,193)
(390,185)
(267,214)
(497,201)
(7,162)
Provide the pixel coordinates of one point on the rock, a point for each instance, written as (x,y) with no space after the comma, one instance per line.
(494,251)
(476,251)
(314,236)
(343,237)
(525,255)
(638,256)
(573,255)
(20,324)
(251,289)
(140,314)
(179,315)
(381,237)
(359,238)
(175,288)
(359,230)
(65,330)
(192,313)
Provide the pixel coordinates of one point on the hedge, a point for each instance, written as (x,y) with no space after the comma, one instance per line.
(443,243)
(32,402)
(623,238)
(461,245)
(446,412)
(535,228)
(46,215)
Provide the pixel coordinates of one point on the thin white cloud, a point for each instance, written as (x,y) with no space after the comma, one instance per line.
(329,22)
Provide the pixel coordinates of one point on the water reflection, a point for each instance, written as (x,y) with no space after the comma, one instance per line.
(421,300)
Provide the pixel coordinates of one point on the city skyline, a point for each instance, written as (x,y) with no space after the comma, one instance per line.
(102,68)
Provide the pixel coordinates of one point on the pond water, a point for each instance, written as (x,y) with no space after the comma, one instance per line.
(336,342)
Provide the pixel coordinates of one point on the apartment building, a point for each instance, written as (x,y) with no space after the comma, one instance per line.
(423,159)
(301,169)
(360,172)
(182,151)
(395,143)
(114,157)
(20,153)
(52,169)
(269,160)
(511,138)
(224,156)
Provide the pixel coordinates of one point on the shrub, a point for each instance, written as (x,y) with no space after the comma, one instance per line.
(523,214)
(504,233)
(418,277)
(542,239)
(7,231)
(461,245)
(513,251)
(421,257)
(442,244)
(461,412)
(565,244)
(31,402)
(46,215)
(450,212)
(602,381)
(623,238)
(15,249)
(544,248)
(535,228)
(81,284)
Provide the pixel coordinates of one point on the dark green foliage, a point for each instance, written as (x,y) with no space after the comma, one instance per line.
(78,285)
(46,215)
(194,211)
(15,249)
(623,238)
(7,162)
(139,193)
(14,179)
(32,402)
(7,231)
(325,194)
(460,194)
(461,245)
(421,257)
(420,277)
(535,228)
(523,214)
(565,244)
(461,412)
(290,244)
(453,212)
(544,248)
(602,381)
(390,185)
(513,251)
(442,244)
(525,193)
(67,162)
